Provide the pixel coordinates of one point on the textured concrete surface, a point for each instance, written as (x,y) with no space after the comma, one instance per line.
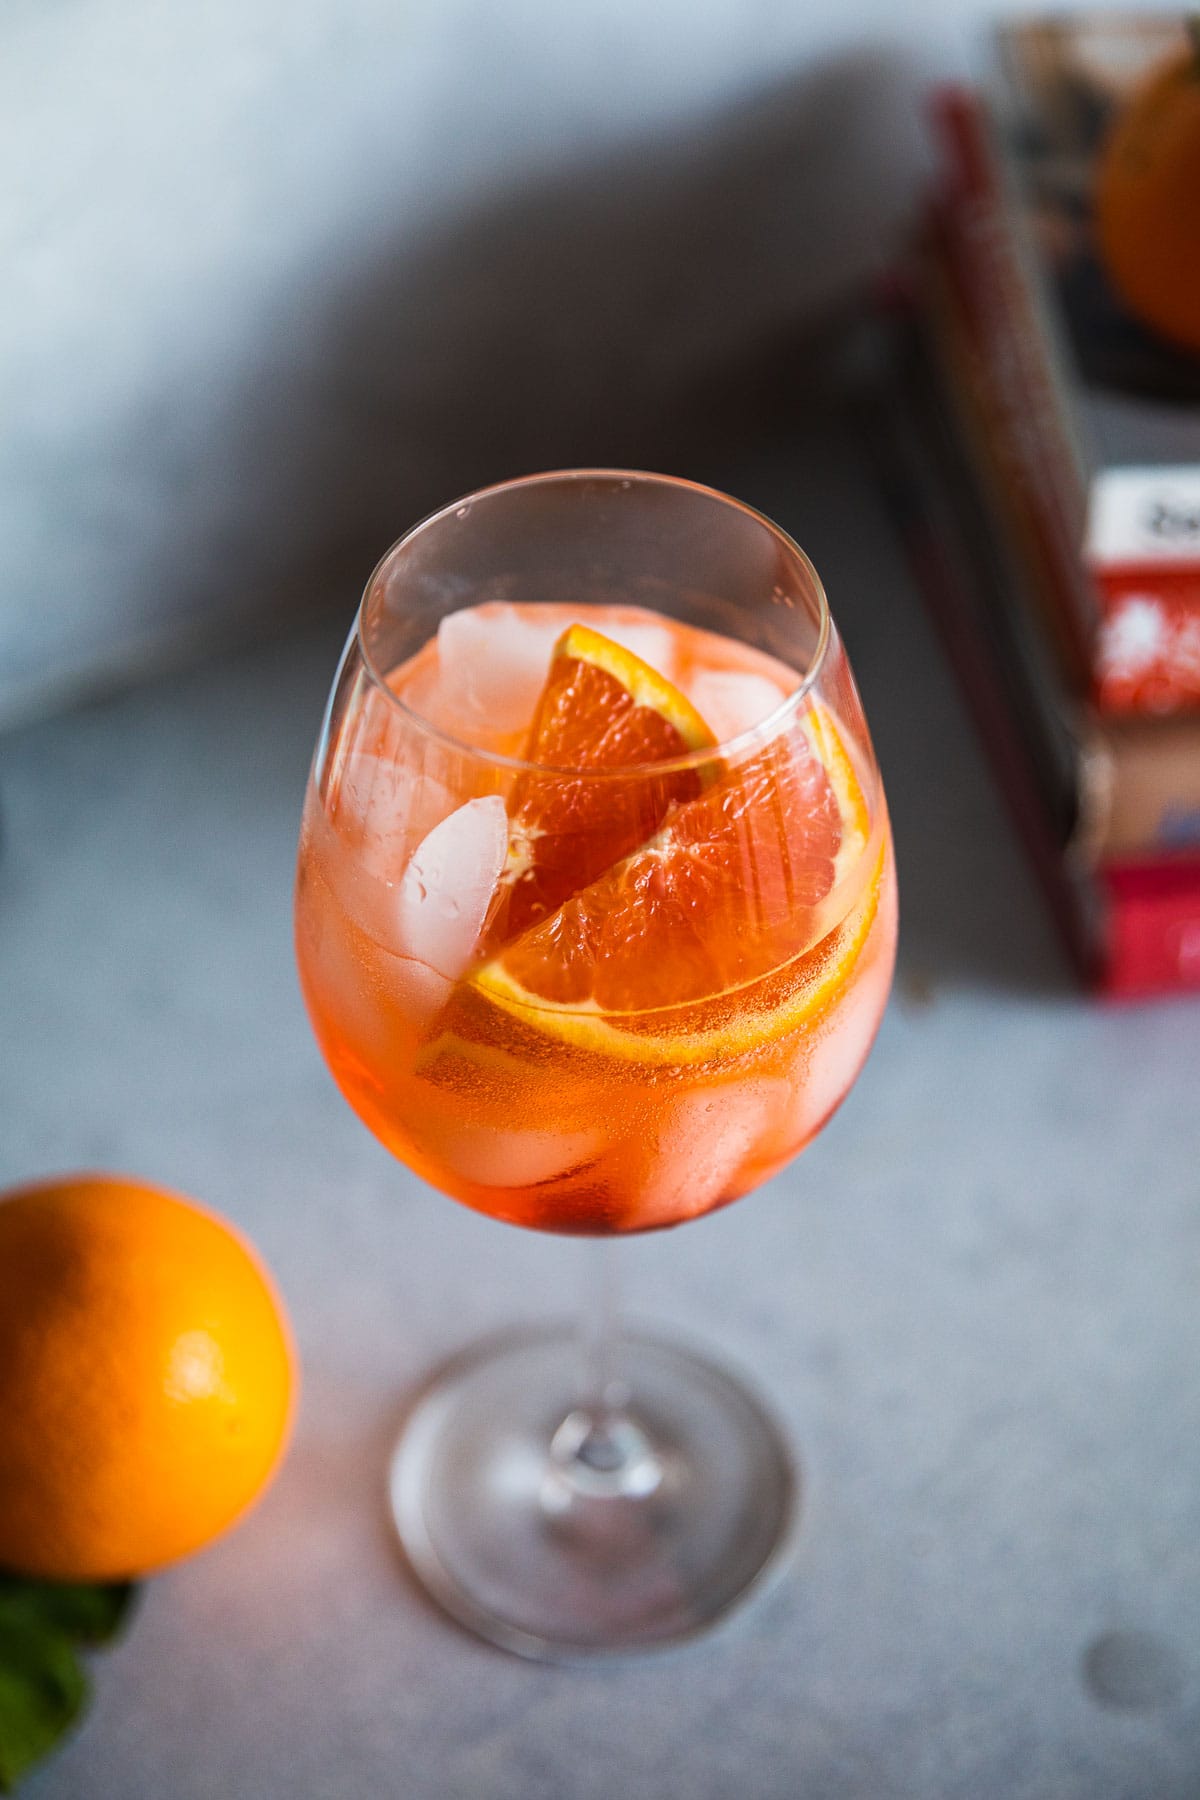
(973,1302)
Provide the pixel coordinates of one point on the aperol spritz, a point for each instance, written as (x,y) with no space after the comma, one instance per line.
(596,913)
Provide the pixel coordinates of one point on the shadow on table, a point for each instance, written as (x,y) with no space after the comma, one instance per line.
(601,313)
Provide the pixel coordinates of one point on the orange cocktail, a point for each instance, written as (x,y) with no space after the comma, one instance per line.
(596,912)
(595,920)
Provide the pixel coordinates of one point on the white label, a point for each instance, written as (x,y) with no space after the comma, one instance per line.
(1144,515)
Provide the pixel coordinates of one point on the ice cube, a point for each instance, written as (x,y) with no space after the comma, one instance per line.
(834,1055)
(448,885)
(492,663)
(731,701)
(693,1158)
(502,1156)
(420,991)
(330,956)
(386,807)
(653,643)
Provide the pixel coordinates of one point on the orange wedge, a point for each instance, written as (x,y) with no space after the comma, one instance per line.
(604,719)
(737,908)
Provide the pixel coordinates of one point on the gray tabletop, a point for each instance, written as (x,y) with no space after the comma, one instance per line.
(973,1302)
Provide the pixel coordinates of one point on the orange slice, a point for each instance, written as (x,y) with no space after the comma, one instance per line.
(737,1024)
(602,713)
(723,899)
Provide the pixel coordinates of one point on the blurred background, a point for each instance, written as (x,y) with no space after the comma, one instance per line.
(279,278)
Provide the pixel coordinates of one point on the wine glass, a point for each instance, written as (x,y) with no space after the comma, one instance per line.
(595,924)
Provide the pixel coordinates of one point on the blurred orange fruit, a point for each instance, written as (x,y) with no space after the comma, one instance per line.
(146,1377)
(1148,201)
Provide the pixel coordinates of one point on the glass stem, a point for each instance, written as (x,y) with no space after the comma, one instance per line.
(602,1394)
(599,1451)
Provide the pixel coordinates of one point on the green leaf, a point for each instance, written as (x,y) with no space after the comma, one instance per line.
(89,1613)
(42,1692)
(42,1688)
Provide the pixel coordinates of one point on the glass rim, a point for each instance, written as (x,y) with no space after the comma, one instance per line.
(766,729)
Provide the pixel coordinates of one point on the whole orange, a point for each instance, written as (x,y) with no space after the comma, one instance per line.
(146,1377)
(1148,201)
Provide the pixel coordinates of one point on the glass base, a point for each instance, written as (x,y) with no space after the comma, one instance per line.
(565,1538)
